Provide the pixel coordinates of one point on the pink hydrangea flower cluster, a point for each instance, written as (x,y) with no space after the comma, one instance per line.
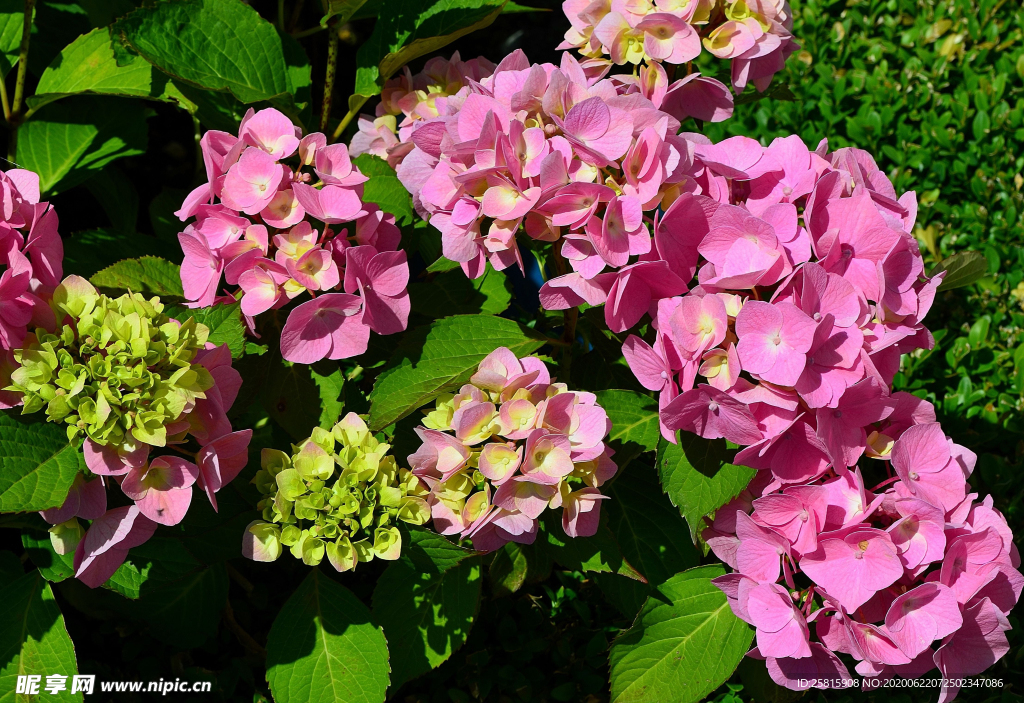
(253,231)
(31,267)
(161,487)
(918,576)
(754,35)
(509,445)
(809,286)
(562,154)
(411,98)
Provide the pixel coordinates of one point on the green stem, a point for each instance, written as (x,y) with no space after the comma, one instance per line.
(280,15)
(352,112)
(332,64)
(16,118)
(307,32)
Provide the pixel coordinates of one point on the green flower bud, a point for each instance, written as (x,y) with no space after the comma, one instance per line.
(66,536)
(387,543)
(342,554)
(262,541)
(110,373)
(348,514)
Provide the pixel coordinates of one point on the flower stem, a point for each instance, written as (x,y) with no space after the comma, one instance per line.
(16,117)
(332,64)
(352,112)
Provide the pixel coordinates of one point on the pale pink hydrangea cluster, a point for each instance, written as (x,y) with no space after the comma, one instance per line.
(252,231)
(31,267)
(918,576)
(754,35)
(160,488)
(509,445)
(407,99)
(560,153)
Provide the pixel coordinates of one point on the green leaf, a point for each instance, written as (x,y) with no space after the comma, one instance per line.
(225,323)
(299,398)
(684,644)
(428,551)
(10,568)
(149,275)
(442,265)
(128,580)
(962,269)
(12,22)
(216,45)
(88,65)
(634,418)
(698,476)
(87,252)
(68,141)
(413,28)
(453,293)
(330,382)
(33,639)
(430,361)
(323,648)
(342,10)
(116,194)
(182,612)
(650,532)
(384,188)
(515,565)
(600,553)
(426,615)
(39,464)
(54,567)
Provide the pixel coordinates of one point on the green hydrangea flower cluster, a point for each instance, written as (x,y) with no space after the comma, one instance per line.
(119,370)
(340,495)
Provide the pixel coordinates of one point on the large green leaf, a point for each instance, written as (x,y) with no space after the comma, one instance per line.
(430,361)
(384,188)
(650,532)
(300,397)
(87,252)
(426,614)
(37,464)
(67,141)
(452,293)
(600,553)
(428,551)
(216,45)
(634,418)
(413,28)
(323,648)
(685,643)
(149,275)
(182,612)
(698,475)
(88,65)
(342,10)
(12,22)
(54,567)
(33,640)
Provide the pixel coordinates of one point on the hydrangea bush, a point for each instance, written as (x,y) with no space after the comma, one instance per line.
(663,381)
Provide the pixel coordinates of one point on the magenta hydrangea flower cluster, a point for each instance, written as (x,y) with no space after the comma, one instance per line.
(755,36)
(253,231)
(554,151)
(411,98)
(918,576)
(509,445)
(31,267)
(809,287)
